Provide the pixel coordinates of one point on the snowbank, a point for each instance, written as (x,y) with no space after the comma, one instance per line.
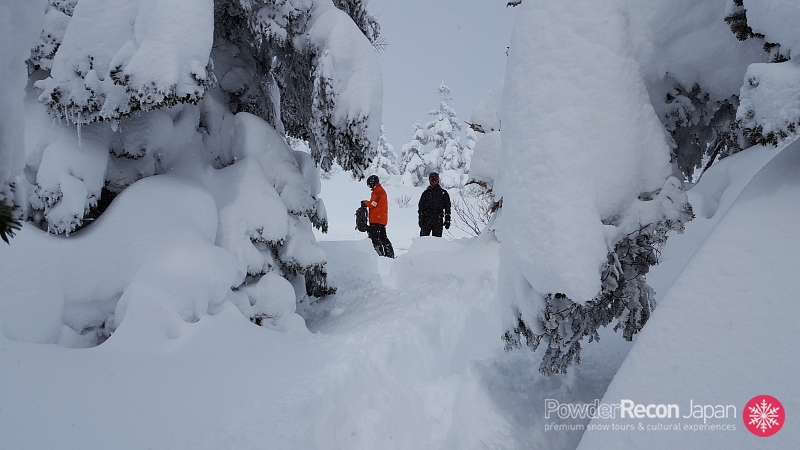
(84,284)
(721,334)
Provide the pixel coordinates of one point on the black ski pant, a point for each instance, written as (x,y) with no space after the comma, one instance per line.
(377,233)
(428,228)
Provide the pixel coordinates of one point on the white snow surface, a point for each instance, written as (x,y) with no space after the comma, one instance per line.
(562,171)
(406,355)
(485,162)
(725,330)
(770,97)
(777,21)
(487,112)
(689,40)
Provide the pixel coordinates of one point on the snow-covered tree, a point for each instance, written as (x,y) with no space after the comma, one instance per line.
(584,210)
(283,61)
(739,85)
(384,162)
(769,109)
(705,114)
(436,147)
(413,158)
(212,90)
(20,23)
(446,154)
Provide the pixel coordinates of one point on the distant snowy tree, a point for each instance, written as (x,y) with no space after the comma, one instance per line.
(436,147)
(413,163)
(446,154)
(384,163)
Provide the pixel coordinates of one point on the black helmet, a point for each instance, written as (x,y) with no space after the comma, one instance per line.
(433,178)
(372,180)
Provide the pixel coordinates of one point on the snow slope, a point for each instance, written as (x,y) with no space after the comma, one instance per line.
(726,330)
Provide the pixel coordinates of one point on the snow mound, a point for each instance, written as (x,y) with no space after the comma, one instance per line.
(154,241)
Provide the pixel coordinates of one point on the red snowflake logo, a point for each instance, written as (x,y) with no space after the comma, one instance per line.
(763,415)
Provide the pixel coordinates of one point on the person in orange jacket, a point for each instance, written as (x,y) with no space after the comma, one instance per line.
(378,206)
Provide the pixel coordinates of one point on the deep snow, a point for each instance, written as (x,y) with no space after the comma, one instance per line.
(406,355)
(726,329)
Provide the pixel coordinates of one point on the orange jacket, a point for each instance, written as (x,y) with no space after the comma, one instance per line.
(378,206)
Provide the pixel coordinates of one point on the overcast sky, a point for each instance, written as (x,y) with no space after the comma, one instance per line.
(460,42)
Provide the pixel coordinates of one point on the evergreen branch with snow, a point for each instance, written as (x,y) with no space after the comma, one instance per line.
(9,222)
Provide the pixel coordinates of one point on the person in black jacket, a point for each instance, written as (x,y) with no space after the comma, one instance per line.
(434,208)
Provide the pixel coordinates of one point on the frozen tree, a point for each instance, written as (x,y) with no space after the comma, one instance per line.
(702,130)
(413,158)
(769,110)
(446,154)
(484,157)
(357,10)
(584,211)
(289,62)
(737,85)
(384,162)
(212,90)
(435,147)
(20,23)
(711,114)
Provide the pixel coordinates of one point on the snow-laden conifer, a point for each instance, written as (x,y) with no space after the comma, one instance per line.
(446,154)
(413,163)
(211,91)
(584,210)
(436,147)
(384,162)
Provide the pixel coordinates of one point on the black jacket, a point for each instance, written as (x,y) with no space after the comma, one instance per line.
(434,205)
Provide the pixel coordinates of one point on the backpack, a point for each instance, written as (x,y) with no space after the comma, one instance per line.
(362,218)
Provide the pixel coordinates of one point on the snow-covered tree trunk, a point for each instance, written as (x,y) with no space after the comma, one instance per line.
(20,23)
(583,210)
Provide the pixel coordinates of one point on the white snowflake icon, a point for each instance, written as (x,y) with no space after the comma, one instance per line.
(764,416)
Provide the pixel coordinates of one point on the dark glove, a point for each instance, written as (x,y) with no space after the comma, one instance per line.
(447,222)
(363,204)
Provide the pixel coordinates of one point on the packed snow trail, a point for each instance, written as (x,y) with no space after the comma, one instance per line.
(388,368)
